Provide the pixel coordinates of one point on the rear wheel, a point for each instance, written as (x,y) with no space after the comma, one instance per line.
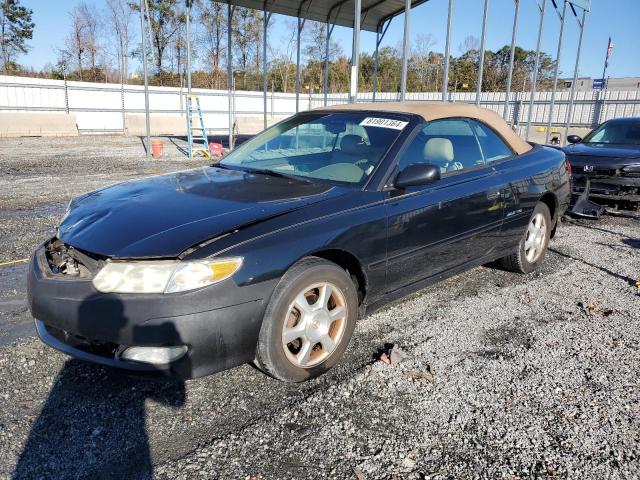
(533,244)
(309,321)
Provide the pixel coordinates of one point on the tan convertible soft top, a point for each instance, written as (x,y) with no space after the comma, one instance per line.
(437,110)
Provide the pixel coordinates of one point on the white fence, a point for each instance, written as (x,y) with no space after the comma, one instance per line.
(105,107)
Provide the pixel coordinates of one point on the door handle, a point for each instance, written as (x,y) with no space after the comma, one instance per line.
(494,195)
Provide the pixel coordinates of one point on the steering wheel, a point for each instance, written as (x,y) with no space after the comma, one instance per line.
(453,166)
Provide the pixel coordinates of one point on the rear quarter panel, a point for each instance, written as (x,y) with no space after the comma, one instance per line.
(529,177)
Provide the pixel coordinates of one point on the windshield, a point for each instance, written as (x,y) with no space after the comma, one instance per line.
(334,147)
(622,133)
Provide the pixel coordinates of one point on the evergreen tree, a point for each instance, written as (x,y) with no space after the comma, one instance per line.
(16,28)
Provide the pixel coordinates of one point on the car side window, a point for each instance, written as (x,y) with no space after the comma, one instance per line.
(493,147)
(450,144)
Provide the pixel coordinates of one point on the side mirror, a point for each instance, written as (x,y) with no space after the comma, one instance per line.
(417,174)
(574,139)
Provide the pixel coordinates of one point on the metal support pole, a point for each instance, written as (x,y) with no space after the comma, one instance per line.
(536,66)
(355,51)
(575,73)
(327,45)
(124,116)
(300,27)
(188,48)
(66,92)
(405,49)
(375,64)
(505,112)
(266,16)
(380,33)
(230,10)
(447,50)
(555,73)
(146,82)
(483,46)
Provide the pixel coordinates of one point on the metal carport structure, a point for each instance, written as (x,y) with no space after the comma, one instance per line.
(367,15)
(374,16)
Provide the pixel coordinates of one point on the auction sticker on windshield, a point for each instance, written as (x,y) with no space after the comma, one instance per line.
(383,123)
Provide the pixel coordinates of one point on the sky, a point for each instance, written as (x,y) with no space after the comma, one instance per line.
(619,19)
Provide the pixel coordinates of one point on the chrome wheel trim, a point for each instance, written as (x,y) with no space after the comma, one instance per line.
(314,325)
(535,238)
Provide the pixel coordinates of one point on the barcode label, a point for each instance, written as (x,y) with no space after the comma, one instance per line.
(383,123)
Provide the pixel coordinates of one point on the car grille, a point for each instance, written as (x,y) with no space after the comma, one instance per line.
(102,349)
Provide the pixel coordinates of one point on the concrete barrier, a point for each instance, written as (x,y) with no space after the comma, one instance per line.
(160,125)
(252,124)
(37,124)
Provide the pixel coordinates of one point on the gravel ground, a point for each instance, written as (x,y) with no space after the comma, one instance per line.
(506,376)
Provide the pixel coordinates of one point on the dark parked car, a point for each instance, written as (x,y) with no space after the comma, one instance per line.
(273,254)
(610,157)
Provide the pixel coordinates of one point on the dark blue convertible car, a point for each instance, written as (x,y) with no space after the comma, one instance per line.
(272,255)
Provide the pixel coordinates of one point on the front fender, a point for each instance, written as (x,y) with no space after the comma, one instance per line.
(270,249)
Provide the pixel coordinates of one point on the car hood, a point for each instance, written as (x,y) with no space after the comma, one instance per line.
(600,153)
(165,215)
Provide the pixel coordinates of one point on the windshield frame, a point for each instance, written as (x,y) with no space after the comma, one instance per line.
(304,117)
(609,123)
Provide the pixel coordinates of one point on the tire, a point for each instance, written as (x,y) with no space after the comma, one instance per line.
(528,257)
(317,334)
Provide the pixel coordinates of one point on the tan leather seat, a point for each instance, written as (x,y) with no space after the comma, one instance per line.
(352,149)
(439,151)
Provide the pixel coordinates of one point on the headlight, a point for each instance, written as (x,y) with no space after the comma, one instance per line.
(631,169)
(163,276)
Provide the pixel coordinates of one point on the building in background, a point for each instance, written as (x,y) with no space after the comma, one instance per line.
(587,83)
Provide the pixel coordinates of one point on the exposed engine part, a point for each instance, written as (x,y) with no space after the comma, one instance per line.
(66,260)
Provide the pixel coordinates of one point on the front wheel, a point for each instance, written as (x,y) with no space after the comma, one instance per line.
(533,244)
(308,322)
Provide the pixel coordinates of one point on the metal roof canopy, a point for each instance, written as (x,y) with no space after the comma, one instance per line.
(337,12)
(369,15)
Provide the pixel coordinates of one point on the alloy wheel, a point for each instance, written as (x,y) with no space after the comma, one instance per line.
(315,324)
(534,242)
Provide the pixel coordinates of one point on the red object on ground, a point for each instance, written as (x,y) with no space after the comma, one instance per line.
(215,149)
(157,148)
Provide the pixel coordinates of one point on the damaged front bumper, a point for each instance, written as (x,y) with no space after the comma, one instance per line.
(611,185)
(215,327)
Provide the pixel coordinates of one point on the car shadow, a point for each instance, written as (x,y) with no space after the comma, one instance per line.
(624,278)
(632,242)
(591,226)
(93,422)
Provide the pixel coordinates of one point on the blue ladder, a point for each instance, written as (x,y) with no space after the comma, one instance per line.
(196,134)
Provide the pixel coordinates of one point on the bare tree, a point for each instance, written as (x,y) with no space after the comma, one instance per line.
(165,20)
(282,65)
(246,36)
(75,47)
(470,47)
(420,60)
(89,19)
(118,18)
(315,36)
(213,18)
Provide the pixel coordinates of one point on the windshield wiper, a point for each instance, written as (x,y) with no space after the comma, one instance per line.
(223,166)
(273,173)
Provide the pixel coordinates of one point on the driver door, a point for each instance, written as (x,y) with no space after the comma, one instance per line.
(437,227)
